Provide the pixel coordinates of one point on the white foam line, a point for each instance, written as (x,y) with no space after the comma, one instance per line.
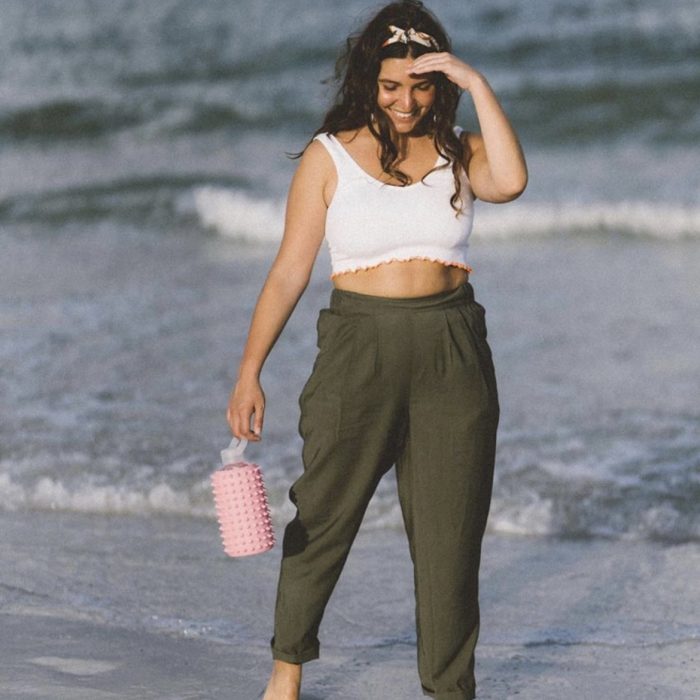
(238,215)
(527,516)
(637,218)
(51,494)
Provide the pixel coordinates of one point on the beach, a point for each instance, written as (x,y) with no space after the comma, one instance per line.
(144,169)
(114,583)
(123,613)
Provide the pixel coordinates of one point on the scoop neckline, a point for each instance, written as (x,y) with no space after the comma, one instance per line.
(371,178)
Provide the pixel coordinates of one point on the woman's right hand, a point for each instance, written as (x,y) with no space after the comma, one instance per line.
(247,399)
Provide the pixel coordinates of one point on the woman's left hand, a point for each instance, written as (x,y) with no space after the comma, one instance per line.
(496,165)
(459,72)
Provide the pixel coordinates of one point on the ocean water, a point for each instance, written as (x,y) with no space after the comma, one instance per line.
(142,183)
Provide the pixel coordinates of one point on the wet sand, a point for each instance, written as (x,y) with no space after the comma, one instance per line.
(96,607)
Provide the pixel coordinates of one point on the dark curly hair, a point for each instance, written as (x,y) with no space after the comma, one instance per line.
(357,70)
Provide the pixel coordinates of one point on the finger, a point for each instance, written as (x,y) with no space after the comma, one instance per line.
(258,422)
(244,417)
(427,68)
(236,426)
(430,57)
(232,422)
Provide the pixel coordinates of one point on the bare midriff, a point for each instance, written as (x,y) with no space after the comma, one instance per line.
(403,278)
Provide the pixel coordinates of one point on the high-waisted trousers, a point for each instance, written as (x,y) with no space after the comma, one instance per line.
(408,382)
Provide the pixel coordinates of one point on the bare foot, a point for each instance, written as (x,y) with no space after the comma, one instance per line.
(285,682)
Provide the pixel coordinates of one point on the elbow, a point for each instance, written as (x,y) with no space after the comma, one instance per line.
(514,187)
(517,191)
(291,279)
(518,181)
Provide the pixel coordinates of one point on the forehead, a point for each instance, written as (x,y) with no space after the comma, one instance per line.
(394,69)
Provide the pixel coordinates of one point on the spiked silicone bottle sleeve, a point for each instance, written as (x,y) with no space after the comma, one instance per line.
(241,503)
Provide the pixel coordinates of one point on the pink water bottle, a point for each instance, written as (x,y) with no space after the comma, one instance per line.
(241,504)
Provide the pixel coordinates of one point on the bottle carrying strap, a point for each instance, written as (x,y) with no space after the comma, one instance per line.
(234,451)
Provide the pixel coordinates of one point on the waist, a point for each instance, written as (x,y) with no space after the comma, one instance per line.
(411,277)
(345,302)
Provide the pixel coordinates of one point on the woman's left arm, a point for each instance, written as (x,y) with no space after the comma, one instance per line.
(496,167)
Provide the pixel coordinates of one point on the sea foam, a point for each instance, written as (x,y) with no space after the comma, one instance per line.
(238,215)
(531,513)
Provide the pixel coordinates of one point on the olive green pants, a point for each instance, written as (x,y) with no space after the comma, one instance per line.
(405,382)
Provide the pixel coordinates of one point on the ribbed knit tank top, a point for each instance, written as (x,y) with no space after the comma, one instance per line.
(370,222)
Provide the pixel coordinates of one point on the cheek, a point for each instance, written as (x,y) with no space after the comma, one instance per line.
(427,98)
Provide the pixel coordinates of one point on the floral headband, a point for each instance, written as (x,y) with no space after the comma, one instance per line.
(403,36)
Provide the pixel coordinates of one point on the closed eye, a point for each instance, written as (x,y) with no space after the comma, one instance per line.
(391,87)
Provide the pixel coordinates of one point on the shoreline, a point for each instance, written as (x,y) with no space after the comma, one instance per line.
(113,607)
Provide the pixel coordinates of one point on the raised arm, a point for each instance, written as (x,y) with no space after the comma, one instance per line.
(285,283)
(496,164)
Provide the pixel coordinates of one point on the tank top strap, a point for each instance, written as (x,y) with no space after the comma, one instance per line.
(341,158)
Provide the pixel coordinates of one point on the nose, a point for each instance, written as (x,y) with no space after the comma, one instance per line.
(405,101)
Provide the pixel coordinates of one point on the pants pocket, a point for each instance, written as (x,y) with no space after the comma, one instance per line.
(320,398)
(473,316)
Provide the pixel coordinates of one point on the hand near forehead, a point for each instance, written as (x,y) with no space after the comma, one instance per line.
(496,165)
(459,72)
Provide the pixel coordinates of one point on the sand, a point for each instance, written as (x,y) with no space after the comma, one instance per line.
(96,607)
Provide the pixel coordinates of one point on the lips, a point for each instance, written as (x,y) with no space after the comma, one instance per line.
(404,116)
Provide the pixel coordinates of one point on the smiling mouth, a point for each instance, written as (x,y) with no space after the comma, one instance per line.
(405,116)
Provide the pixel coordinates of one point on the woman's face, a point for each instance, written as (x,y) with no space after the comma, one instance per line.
(404,98)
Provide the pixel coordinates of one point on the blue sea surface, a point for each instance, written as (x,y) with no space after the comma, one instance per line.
(142,184)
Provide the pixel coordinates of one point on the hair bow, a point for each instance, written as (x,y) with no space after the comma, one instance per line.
(403,36)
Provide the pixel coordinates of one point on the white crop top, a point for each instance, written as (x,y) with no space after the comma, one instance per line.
(370,222)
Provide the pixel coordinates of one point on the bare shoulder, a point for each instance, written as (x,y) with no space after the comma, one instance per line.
(315,153)
(472,140)
(473,144)
(316,174)
(316,160)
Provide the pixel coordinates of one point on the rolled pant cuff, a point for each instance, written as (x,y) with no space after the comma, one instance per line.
(302,658)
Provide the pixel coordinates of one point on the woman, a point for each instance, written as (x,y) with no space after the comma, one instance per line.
(404,374)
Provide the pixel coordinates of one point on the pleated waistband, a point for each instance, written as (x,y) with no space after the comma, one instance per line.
(346,302)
